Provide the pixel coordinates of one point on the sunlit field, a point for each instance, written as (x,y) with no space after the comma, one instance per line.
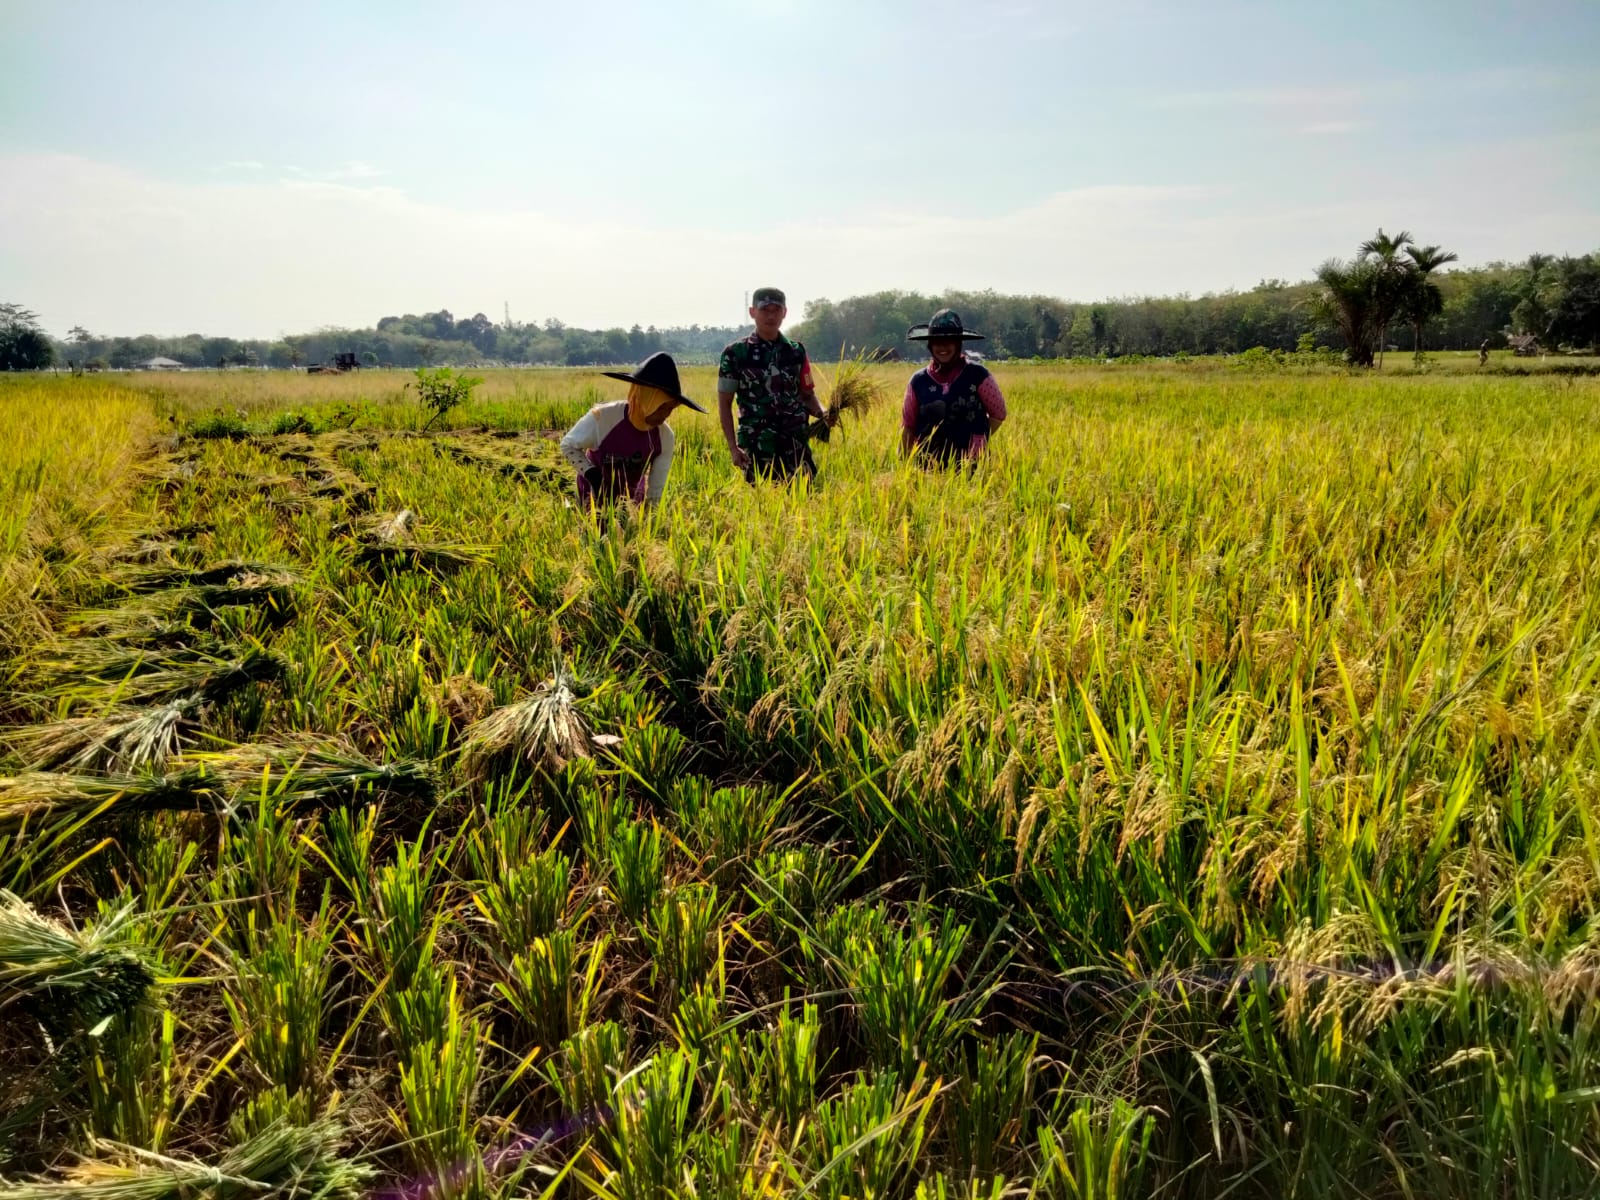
(1201,798)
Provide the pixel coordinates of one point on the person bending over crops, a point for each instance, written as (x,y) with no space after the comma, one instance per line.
(623,449)
(770,377)
(953,404)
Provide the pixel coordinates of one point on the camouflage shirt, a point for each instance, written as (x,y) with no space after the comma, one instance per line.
(770,381)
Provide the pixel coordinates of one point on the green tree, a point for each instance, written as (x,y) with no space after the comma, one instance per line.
(1351,299)
(1423,300)
(23,345)
(1574,314)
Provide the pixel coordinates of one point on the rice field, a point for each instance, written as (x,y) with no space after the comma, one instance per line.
(1201,799)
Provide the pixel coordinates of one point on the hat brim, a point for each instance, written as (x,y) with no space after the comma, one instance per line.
(678,396)
(965,335)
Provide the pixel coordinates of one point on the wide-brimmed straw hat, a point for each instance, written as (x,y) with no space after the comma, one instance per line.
(659,372)
(946,323)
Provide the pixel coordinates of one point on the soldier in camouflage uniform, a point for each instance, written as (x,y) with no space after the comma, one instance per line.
(770,378)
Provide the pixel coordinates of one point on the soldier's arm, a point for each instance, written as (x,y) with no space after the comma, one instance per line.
(808,389)
(725,411)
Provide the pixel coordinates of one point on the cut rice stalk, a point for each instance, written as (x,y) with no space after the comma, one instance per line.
(389,540)
(197,602)
(211,781)
(124,739)
(440,556)
(304,773)
(101,658)
(854,391)
(282,1162)
(161,578)
(544,730)
(70,979)
(207,679)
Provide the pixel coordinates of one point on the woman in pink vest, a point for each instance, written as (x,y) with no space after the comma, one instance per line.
(953,404)
(623,449)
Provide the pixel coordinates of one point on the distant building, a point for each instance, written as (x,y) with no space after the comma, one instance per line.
(1524,345)
(160,364)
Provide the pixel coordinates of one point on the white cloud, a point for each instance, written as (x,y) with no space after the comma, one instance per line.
(120,251)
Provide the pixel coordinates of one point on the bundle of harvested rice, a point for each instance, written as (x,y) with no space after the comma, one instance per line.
(854,391)
(484,454)
(211,781)
(69,980)
(160,578)
(282,1162)
(544,730)
(273,591)
(76,659)
(388,540)
(203,677)
(304,773)
(123,739)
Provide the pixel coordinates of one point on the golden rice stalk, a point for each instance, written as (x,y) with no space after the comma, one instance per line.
(282,1162)
(544,730)
(854,391)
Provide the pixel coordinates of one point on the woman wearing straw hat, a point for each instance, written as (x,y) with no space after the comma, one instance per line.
(953,404)
(623,449)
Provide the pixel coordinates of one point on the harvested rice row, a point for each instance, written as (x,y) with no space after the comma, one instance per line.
(212,781)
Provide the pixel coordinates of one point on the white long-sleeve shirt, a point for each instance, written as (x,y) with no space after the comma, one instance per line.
(592,429)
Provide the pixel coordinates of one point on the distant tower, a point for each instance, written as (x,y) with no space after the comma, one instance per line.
(507,303)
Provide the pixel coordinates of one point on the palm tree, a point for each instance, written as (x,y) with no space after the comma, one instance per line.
(1393,280)
(1351,299)
(1423,299)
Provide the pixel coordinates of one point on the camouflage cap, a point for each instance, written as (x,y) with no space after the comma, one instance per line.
(768,295)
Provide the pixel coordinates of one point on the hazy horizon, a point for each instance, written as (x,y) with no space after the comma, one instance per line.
(253,173)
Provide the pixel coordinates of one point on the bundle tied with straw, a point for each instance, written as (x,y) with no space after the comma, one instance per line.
(854,391)
(544,730)
(281,1162)
(69,980)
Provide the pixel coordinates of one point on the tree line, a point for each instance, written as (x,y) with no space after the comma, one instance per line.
(430,339)
(1407,295)
(1393,288)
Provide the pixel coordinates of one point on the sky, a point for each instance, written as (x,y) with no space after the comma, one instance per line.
(258,169)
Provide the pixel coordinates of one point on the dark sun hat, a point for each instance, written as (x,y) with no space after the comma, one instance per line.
(660,372)
(946,323)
